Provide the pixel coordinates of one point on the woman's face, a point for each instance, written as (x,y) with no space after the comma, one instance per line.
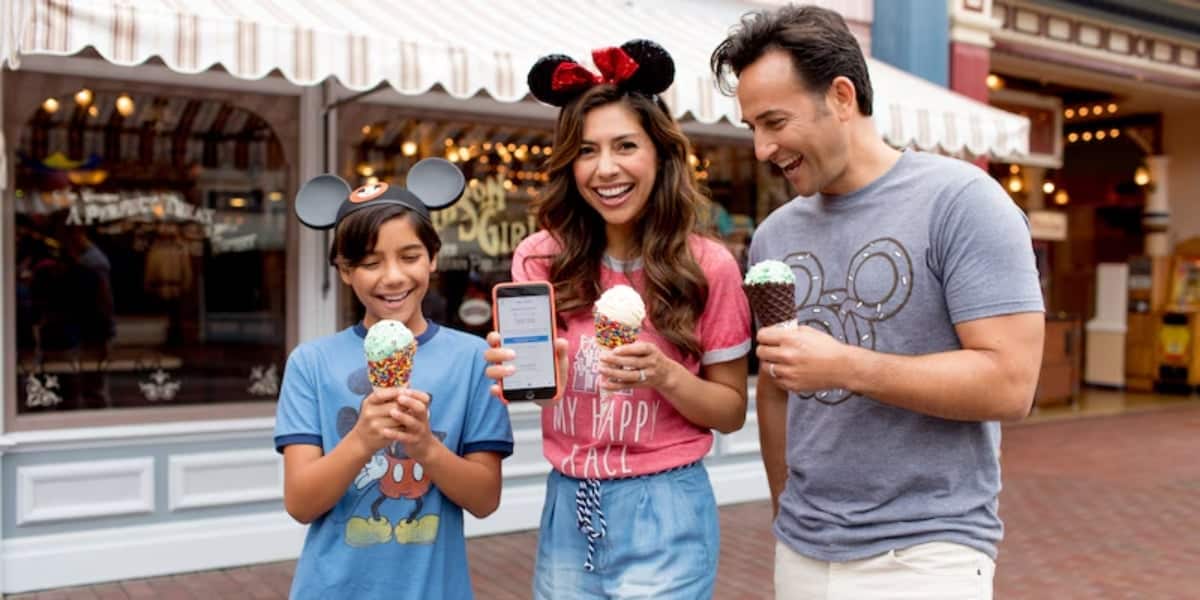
(617,164)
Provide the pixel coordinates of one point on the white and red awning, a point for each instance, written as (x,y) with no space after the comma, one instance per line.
(464,47)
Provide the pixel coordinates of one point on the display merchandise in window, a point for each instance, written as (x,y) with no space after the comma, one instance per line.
(150,250)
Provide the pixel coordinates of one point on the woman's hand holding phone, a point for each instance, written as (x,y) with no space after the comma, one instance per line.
(497,355)
(527,336)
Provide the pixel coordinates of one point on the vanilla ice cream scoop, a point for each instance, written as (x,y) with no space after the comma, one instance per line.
(623,305)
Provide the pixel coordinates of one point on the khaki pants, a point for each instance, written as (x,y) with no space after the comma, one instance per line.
(932,571)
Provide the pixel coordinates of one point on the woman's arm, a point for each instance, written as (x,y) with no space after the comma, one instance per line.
(716,399)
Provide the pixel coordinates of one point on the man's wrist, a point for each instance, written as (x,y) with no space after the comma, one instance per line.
(856,364)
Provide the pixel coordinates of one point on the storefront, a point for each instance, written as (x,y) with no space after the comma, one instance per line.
(1112,96)
(154,280)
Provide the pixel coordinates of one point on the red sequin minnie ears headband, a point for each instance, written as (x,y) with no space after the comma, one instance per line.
(636,66)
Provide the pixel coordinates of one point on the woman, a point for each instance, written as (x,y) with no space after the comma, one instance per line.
(629,508)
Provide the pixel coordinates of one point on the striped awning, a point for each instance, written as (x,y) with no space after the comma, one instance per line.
(464,47)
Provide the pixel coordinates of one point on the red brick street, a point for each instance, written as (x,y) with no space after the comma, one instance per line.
(1095,508)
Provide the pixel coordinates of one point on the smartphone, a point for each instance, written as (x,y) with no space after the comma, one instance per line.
(523,314)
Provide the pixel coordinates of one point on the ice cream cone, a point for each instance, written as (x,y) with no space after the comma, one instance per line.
(772,303)
(618,318)
(613,334)
(393,371)
(770,287)
(390,348)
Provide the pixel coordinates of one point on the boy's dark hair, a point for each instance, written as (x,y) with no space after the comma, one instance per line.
(818,40)
(357,234)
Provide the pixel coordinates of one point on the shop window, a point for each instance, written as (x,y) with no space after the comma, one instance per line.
(149,249)
(503,165)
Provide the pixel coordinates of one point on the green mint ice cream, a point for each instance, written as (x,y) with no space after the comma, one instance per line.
(769,271)
(385,338)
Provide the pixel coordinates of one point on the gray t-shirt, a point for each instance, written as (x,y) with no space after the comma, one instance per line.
(893,267)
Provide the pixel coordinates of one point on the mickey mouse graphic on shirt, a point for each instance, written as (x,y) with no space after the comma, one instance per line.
(878,284)
(391,476)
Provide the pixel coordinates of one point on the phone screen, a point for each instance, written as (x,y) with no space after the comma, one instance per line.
(525,325)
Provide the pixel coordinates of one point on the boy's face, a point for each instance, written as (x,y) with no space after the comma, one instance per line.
(392,279)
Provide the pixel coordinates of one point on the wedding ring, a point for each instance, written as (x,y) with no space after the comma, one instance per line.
(771,370)
(642,373)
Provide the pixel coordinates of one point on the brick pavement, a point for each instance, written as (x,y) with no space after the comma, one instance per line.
(1096,508)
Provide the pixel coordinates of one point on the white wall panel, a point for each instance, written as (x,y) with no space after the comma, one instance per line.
(223,478)
(86,489)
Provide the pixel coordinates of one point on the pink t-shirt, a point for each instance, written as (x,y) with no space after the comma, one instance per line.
(639,431)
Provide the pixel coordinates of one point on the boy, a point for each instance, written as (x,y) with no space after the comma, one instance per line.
(382,476)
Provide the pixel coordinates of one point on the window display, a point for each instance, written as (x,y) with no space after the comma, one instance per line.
(150,249)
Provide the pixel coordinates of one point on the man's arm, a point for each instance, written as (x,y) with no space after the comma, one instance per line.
(771,406)
(992,378)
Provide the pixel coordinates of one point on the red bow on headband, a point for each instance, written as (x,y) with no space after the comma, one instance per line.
(614,64)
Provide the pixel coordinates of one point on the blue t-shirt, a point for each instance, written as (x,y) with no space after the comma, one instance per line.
(393,534)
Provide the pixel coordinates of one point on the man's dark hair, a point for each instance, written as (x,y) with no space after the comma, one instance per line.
(818,40)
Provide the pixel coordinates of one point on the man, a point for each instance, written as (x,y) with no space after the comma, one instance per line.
(921,328)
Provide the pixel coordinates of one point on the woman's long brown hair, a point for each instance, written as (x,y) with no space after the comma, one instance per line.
(675,287)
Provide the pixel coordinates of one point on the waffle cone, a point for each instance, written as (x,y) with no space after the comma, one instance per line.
(772,303)
(393,371)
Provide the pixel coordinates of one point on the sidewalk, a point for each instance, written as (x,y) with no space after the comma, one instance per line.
(1095,508)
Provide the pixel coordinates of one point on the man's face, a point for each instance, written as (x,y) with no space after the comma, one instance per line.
(796,129)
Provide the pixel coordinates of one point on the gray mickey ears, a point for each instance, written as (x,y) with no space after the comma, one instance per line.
(433,183)
(319,199)
(437,182)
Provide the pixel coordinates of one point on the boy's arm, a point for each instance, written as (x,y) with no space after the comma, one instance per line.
(313,482)
(471,481)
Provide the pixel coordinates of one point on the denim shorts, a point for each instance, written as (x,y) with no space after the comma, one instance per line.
(660,538)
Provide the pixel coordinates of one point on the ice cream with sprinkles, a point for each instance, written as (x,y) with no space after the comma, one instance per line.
(390,347)
(618,316)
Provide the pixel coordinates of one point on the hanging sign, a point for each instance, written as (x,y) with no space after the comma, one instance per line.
(1049,225)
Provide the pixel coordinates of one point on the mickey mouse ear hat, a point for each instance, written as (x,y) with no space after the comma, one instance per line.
(433,184)
(636,66)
